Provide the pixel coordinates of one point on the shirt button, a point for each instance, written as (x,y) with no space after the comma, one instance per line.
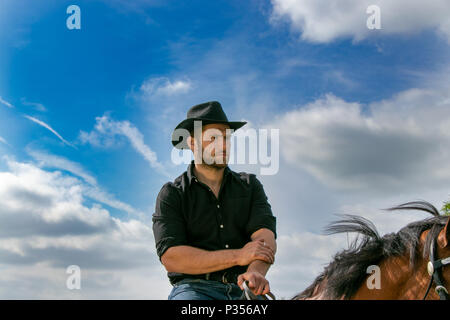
(218,206)
(221,226)
(226,246)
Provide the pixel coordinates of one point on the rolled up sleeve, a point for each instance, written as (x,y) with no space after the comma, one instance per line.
(169,227)
(261,215)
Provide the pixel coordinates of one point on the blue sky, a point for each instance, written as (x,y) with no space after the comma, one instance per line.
(145,63)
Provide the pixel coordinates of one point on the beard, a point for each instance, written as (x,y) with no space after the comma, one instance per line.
(216,162)
(217,166)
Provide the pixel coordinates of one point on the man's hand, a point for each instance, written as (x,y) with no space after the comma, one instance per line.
(257,283)
(255,250)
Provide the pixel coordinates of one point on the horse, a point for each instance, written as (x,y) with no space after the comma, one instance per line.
(410,262)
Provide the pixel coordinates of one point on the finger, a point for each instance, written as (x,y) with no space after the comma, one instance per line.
(240,281)
(267,249)
(269,255)
(257,243)
(254,289)
(251,281)
(264,244)
(264,257)
(256,284)
(266,289)
(260,287)
(257,291)
(272,254)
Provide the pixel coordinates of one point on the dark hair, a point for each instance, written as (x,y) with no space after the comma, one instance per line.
(345,274)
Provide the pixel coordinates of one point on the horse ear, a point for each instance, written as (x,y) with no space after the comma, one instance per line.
(445,240)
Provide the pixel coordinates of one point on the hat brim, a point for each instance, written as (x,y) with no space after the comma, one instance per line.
(188,124)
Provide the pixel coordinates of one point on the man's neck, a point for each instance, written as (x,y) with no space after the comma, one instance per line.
(210,175)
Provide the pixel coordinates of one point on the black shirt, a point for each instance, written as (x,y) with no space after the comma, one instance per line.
(188,213)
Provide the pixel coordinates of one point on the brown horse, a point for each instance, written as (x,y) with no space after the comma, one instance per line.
(402,257)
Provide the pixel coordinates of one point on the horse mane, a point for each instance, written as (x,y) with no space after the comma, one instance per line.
(347,271)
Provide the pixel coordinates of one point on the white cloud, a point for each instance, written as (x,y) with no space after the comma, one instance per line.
(45,227)
(48,160)
(43,124)
(36,105)
(326,20)
(105,132)
(104,197)
(395,144)
(163,86)
(91,189)
(300,258)
(340,78)
(6,103)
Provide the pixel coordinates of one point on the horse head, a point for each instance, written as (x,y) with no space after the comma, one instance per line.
(438,266)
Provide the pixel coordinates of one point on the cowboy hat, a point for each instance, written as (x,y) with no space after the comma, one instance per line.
(208,112)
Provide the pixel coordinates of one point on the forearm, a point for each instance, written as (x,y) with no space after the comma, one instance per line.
(191,260)
(259,266)
(269,240)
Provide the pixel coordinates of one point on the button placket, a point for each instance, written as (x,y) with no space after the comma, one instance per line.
(219,210)
(220,221)
(218,206)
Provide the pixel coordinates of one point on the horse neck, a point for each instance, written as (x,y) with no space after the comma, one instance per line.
(397,280)
(416,283)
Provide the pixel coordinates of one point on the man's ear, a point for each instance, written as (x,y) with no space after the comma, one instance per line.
(190,142)
(444,236)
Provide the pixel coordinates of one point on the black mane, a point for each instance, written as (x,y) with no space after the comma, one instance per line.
(345,274)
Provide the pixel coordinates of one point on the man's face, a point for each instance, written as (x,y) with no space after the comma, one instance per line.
(215,144)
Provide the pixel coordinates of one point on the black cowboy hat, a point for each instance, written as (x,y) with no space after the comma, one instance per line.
(208,112)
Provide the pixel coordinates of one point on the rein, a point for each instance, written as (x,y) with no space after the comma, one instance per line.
(249,295)
(434,268)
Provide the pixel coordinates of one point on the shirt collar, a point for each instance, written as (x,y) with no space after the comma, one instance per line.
(191,175)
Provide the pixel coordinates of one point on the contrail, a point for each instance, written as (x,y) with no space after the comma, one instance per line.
(48,160)
(6,103)
(41,123)
(2,140)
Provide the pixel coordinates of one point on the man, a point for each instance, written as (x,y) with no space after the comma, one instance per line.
(213,227)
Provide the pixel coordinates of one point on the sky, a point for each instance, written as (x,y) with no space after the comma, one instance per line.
(86,117)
